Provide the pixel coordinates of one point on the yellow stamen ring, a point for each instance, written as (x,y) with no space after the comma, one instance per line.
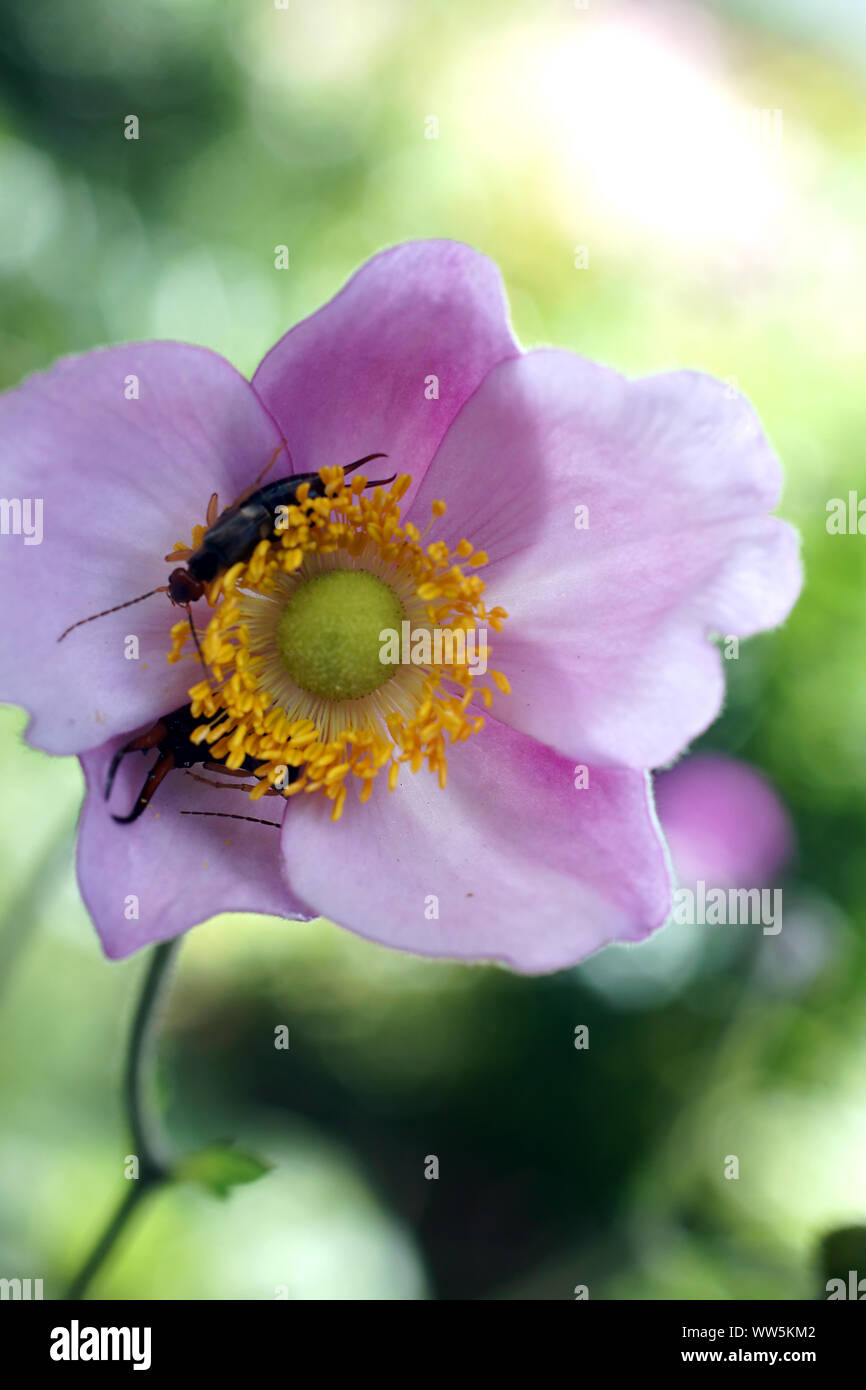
(273,704)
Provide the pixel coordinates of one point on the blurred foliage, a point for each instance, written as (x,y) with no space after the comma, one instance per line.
(220,1168)
(305,126)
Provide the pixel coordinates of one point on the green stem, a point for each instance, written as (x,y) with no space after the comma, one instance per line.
(153,1167)
(103,1247)
(141,1112)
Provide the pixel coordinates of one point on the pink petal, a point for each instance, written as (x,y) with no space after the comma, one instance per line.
(351,380)
(181,869)
(527,870)
(121,481)
(606,646)
(723,821)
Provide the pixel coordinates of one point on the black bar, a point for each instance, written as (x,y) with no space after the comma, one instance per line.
(252,1337)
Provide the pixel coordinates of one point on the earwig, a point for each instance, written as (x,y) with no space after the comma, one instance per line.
(231,538)
(171,736)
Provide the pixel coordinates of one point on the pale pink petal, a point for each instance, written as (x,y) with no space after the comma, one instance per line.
(174,870)
(358,376)
(520,866)
(121,481)
(607,646)
(723,821)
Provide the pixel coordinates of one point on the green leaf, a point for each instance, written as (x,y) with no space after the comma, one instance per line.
(219,1168)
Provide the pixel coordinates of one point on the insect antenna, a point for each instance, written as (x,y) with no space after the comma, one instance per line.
(163,589)
(228,815)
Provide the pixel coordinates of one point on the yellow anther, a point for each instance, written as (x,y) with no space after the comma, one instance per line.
(250,708)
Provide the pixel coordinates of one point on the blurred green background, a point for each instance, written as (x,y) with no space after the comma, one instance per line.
(623,129)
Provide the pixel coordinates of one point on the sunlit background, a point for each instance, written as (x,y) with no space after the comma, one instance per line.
(663,184)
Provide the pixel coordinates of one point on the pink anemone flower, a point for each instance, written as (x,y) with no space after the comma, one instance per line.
(598,531)
(724,822)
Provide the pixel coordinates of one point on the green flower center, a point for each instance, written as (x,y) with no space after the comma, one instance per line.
(328,634)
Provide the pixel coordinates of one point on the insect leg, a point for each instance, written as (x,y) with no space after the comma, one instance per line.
(248,492)
(194,633)
(208,782)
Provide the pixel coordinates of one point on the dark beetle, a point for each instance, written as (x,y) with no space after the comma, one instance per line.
(236,532)
(231,538)
(170,735)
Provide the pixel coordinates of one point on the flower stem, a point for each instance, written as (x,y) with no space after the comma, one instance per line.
(106,1242)
(153,1167)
